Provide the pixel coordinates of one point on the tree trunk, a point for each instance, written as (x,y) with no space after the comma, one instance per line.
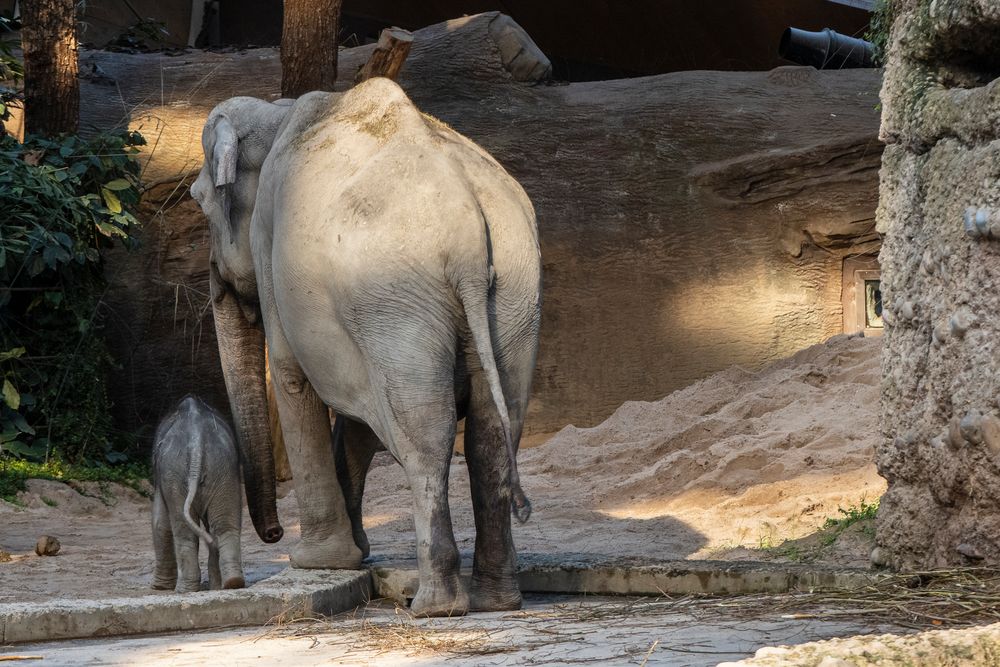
(51,89)
(309,46)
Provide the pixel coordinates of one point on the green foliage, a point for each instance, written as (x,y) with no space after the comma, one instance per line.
(880,26)
(14,473)
(11,71)
(63,201)
(863,511)
(793,553)
(144,35)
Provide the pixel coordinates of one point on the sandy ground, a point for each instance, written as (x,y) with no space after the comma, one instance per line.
(738,460)
(548,631)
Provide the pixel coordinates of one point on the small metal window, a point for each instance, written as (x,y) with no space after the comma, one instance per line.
(862,295)
(873,304)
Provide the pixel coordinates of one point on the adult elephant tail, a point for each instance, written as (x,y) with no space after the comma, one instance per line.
(473,293)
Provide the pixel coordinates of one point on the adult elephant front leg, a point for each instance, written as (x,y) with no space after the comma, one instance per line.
(327,539)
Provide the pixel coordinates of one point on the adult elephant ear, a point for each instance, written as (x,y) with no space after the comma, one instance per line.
(224,157)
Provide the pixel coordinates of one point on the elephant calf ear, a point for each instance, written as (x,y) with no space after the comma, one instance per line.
(224,158)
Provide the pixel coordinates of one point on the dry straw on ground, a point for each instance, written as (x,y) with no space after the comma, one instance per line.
(919,600)
(399,633)
(955,597)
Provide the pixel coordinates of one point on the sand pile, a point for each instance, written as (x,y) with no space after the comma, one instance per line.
(741,458)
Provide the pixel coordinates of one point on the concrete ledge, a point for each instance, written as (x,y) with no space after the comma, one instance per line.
(552,574)
(297,593)
(293,593)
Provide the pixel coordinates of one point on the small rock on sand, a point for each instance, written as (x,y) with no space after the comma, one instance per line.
(47,546)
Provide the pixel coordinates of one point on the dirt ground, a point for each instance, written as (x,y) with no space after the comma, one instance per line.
(720,469)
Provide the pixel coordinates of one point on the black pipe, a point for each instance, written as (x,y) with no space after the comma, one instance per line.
(826,49)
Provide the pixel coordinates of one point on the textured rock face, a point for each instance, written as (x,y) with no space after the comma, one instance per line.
(939,214)
(688,222)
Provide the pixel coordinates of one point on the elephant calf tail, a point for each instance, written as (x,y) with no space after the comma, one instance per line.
(194,475)
(473,295)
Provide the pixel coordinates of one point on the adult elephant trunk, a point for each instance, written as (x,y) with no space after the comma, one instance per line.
(241,349)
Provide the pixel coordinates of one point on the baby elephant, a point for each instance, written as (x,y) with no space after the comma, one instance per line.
(196,481)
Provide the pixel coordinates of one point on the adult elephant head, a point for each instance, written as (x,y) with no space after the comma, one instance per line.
(237,138)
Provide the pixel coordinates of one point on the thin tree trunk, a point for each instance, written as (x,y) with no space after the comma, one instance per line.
(309,46)
(51,89)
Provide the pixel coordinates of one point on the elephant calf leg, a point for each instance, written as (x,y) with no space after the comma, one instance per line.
(230,565)
(214,576)
(186,553)
(165,571)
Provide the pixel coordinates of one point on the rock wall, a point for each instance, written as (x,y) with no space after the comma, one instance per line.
(688,221)
(940,192)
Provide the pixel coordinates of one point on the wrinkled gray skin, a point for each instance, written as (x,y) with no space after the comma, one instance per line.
(394,268)
(196,482)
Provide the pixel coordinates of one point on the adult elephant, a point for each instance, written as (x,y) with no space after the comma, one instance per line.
(393,268)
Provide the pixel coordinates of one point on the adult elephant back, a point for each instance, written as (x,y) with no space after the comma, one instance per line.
(394,269)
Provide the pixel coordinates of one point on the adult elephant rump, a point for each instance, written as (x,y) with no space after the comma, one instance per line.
(393,268)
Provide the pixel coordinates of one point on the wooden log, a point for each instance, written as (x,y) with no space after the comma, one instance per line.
(389,54)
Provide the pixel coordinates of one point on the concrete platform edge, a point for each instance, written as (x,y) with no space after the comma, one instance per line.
(289,595)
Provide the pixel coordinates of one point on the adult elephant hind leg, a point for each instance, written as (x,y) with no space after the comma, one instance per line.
(419,429)
(494,569)
(354,445)
(440,592)
(327,541)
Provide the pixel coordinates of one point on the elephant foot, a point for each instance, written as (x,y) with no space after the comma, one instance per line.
(188,587)
(234,582)
(163,584)
(494,595)
(442,597)
(329,554)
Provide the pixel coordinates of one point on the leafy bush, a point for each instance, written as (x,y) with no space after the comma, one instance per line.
(14,473)
(863,511)
(11,71)
(145,35)
(61,201)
